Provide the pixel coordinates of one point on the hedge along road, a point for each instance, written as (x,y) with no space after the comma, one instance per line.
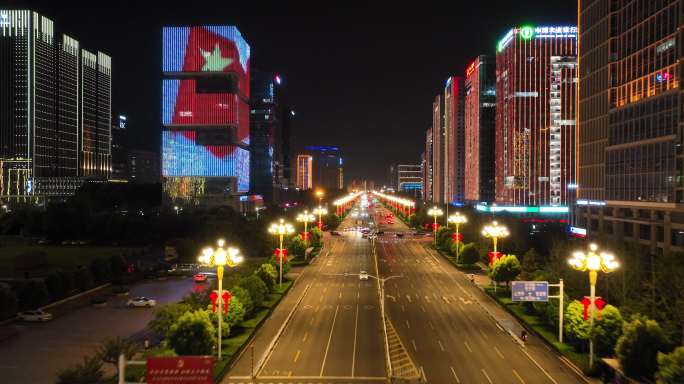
(38,351)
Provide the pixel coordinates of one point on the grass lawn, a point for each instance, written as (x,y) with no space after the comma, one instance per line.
(59,256)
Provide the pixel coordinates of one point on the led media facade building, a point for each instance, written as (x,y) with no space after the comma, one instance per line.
(304,172)
(454,141)
(480,124)
(205,114)
(437,187)
(535,116)
(630,123)
(55,110)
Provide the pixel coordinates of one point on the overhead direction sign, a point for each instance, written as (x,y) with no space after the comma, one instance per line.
(530,291)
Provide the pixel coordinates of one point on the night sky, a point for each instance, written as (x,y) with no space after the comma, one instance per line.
(359,76)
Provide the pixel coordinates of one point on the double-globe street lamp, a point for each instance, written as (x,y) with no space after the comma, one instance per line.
(320,211)
(435,212)
(281,229)
(593,261)
(457,219)
(220,258)
(306,218)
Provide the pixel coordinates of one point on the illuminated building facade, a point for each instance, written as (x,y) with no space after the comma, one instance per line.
(438,176)
(304,172)
(55,110)
(535,116)
(410,179)
(205,114)
(120,148)
(454,140)
(630,119)
(480,124)
(427,169)
(328,171)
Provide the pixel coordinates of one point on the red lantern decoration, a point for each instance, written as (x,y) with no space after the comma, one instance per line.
(305,235)
(277,255)
(213,296)
(435,226)
(226,301)
(494,257)
(457,237)
(598,302)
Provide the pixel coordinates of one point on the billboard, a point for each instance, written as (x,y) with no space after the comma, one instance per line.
(205,110)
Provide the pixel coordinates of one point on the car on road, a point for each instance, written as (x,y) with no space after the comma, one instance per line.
(200,278)
(37,315)
(363,275)
(334,233)
(141,302)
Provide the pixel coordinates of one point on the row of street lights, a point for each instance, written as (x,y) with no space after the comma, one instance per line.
(593,261)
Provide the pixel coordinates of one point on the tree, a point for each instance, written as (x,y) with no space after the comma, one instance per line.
(506,269)
(55,285)
(193,334)
(235,315)
(268,274)
(276,264)
(607,327)
(87,372)
(83,279)
(256,288)
(316,237)
(638,347)
(111,348)
(297,247)
(671,367)
(167,315)
(8,301)
(197,299)
(245,299)
(331,222)
(101,270)
(469,254)
(118,266)
(33,294)
(530,263)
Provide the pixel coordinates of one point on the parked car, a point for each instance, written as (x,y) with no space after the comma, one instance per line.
(363,275)
(200,278)
(141,302)
(37,315)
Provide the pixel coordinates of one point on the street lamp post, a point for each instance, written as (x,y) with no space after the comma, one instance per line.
(434,212)
(176,208)
(220,258)
(281,229)
(593,261)
(320,211)
(495,231)
(319,194)
(306,218)
(457,219)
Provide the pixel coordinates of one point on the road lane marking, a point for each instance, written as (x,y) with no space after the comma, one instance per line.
(402,308)
(408,297)
(431,326)
(518,376)
(306,335)
(357,295)
(427,299)
(441,346)
(325,356)
(297,355)
(468,346)
(407,324)
(487,376)
(321,299)
(538,366)
(483,334)
(340,295)
(455,375)
(413,341)
(499,352)
(423,308)
(356,325)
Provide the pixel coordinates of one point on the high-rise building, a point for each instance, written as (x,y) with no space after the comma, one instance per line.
(144,167)
(120,148)
(328,170)
(427,170)
(454,137)
(480,124)
(304,172)
(410,179)
(535,116)
(55,110)
(205,114)
(630,122)
(437,152)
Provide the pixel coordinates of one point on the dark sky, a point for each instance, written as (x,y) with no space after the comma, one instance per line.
(359,75)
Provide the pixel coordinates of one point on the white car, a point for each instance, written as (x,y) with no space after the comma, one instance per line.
(141,302)
(37,315)
(363,275)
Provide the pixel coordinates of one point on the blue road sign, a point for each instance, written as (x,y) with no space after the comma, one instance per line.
(530,291)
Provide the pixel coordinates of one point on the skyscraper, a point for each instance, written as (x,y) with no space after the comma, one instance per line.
(480,124)
(55,110)
(120,148)
(410,179)
(328,166)
(427,179)
(304,172)
(454,136)
(535,116)
(630,123)
(205,114)
(437,152)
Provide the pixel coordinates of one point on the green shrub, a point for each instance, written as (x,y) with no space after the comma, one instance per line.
(245,299)
(638,347)
(101,270)
(268,274)
(87,372)
(167,315)
(83,279)
(55,285)
(8,301)
(118,266)
(469,254)
(193,334)
(111,348)
(506,269)
(33,294)
(297,247)
(607,327)
(671,367)
(256,288)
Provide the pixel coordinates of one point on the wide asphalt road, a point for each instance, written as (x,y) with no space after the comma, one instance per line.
(39,351)
(335,331)
(441,319)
